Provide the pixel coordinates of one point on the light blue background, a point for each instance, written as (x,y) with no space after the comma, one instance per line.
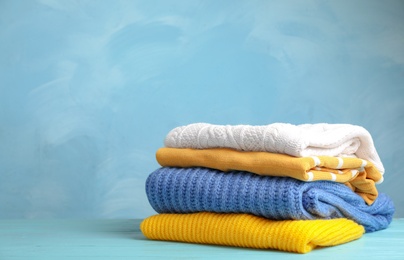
(89,89)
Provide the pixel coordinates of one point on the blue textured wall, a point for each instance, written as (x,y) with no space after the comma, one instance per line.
(89,89)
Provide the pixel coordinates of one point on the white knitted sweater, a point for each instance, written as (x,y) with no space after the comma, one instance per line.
(296,140)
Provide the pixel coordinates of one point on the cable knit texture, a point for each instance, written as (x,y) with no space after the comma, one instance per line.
(296,140)
(187,190)
(244,230)
(359,174)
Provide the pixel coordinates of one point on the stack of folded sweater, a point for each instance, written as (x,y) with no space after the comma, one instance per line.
(278,186)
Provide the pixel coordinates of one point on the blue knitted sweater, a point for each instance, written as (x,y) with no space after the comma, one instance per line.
(186,190)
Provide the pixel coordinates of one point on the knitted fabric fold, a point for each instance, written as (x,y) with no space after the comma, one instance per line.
(244,230)
(296,140)
(360,174)
(187,190)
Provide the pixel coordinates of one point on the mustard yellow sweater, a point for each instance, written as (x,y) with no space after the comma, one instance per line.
(358,174)
(245,230)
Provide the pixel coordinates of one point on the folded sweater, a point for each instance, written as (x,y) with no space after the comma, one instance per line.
(187,190)
(359,174)
(244,230)
(296,140)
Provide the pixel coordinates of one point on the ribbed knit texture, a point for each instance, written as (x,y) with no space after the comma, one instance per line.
(361,175)
(244,230)
(186,190)
(296,140)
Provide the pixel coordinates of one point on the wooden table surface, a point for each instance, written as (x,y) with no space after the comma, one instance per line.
(122,239)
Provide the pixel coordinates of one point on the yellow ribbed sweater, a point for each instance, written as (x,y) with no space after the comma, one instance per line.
(245,230)
(358,174)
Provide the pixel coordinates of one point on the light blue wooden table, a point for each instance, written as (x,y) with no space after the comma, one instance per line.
(122,239)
